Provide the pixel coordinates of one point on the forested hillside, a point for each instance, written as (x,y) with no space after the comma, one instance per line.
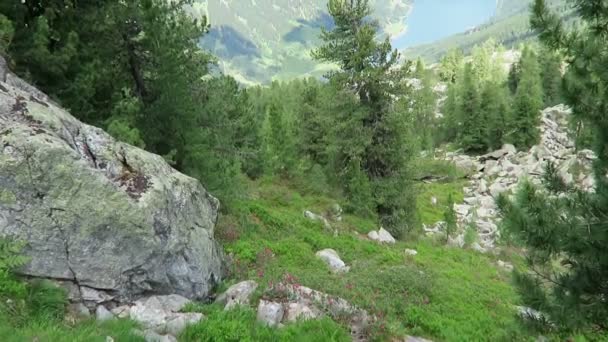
(259,41)
(509,27)
(147,196)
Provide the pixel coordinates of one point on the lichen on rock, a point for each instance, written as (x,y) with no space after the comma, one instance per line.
(96,212)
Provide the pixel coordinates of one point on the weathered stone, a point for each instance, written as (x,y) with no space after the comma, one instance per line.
(505,265)
(121,311)
(496,155)
(270,313)
(496,189)
(411,252)
(92,295)
(314,217)
(510,149)
(238,294)
(176,323)
(332,259)
(300,311)
(104,214)
(382,236)
(102,314)
(78,311)
(160,314)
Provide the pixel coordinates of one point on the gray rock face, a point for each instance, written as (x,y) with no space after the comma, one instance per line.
(113,219)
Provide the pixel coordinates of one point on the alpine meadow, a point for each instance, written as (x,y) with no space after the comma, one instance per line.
(290,170)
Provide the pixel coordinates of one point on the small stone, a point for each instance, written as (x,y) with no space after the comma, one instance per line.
(382,236)
(411,252)
(238,294)
(270,313)
(332,259)
(505,265)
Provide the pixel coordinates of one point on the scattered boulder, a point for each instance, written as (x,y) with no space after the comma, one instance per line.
(332,259)
(314,217)
(97,212)
(300,311)
(411,252)
(270,313)
(496,189)
(336,212)
(507,266)
(238,294)
(161,315)
(381,236)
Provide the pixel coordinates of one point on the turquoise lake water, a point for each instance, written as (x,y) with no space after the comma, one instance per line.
(431,20)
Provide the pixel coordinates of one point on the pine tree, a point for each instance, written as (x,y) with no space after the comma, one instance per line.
(373,137)
(450,111)
(472,135)
(514,77)
(450,65)
(566,235)
(527,103)
(494,110)
(423,108)
(551,65)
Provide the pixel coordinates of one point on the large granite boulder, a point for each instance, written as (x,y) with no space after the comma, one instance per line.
(99,215)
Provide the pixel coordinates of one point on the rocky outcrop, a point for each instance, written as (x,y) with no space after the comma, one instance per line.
(501,171)
(287,303)
(109,221)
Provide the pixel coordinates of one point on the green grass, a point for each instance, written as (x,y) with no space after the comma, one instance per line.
(239,325)
(442,293)
(432,213)
(53,331)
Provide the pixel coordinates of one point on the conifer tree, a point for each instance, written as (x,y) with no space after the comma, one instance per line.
(494,111)
(472,134)
(449,66)
(372,138)
(423,107)
(527,103)
(551,64)
(566,234)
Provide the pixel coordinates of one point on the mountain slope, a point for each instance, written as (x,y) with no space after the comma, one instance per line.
(262,40)
(509,26)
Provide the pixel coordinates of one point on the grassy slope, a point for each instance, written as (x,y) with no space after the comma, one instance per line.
(443,293)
